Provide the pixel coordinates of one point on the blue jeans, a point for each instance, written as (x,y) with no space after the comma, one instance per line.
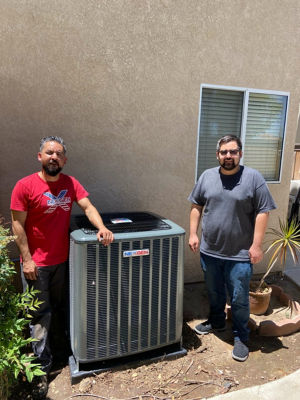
(221,274)
(51,284)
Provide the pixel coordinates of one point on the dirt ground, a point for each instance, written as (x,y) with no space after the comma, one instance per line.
(207,370)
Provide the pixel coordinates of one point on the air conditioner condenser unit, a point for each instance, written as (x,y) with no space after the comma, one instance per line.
(126,298)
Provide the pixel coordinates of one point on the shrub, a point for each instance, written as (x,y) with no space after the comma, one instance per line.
(285,239)
(14,317)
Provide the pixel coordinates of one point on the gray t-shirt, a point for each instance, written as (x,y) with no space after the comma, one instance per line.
(231,205)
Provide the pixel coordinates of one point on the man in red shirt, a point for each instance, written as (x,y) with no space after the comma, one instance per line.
(41,206)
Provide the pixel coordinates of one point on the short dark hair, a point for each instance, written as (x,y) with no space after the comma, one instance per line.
(227,139)
(57,139)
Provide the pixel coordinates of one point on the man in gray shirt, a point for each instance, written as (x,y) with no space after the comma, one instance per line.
(235,202)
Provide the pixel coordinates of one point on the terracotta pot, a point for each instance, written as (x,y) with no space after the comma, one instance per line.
(259,301)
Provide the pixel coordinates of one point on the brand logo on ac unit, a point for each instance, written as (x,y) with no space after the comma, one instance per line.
(136,253)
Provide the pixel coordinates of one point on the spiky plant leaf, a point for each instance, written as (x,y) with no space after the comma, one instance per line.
(285,239)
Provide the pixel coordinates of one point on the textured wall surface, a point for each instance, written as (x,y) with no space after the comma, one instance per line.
(119,80)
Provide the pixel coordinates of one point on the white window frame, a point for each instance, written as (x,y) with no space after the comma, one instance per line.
(246,92)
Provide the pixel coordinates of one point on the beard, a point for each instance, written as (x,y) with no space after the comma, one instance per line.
(52,169)
(228,164)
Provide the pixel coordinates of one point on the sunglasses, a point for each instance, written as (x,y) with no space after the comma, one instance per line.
(231,152)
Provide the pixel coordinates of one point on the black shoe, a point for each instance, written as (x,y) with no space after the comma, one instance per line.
(206,327)
(240,351)
(39,387)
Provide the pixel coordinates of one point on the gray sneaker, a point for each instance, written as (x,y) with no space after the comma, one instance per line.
(240,351)
(206,327)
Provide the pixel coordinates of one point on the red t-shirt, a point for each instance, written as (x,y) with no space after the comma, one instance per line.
(48,206)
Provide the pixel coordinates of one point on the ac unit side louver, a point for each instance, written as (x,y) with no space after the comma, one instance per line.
(128,297)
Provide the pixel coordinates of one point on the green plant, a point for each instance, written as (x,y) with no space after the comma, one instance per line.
(286,239)
(14,317)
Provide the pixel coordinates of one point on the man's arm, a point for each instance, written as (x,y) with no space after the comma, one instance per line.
(255,252)
(94,217)
(195,216)
(18,226)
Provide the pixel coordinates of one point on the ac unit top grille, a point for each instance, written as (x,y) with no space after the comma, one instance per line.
(123,222)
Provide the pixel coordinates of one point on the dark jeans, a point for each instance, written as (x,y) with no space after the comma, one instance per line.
(221,274)
(51,284)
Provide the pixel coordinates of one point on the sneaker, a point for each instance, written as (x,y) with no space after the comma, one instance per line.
(39,387)
(240,351)
(206,327)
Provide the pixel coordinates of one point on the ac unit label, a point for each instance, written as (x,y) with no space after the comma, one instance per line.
(136,253)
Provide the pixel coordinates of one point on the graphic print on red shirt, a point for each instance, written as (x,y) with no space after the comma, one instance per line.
(58,201)
(48,206)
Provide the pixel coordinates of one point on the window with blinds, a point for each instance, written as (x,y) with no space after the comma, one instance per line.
(258,118)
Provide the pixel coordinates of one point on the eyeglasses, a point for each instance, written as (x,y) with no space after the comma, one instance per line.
(231,152)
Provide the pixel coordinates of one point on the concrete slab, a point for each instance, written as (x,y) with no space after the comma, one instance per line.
(287,387)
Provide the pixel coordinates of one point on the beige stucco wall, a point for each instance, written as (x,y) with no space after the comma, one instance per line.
(119,80)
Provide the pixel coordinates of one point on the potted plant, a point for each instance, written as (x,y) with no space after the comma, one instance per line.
(286,239)
(14,316)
